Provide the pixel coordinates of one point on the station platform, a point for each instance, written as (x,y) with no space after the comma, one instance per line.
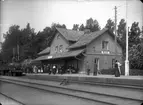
(106,79)
(101,92)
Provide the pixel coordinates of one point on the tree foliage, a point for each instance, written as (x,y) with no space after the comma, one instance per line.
(135,47)
(136,56)
(28,41)
(135,42)
(75,27)
(121,36)
(32,43)
(92,25)
(110,25)
(43,39)
(11,37)
(11,40)
(134,34)
(82,27)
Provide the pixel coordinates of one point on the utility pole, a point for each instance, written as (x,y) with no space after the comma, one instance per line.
(126,61)
(17,52)
(115,27)
(17,39)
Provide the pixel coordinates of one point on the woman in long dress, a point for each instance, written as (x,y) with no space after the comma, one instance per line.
(117,69)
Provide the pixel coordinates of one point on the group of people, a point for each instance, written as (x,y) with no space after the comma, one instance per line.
(61,69)
(54,69)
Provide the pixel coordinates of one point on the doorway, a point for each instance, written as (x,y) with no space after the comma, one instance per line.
(96,66)
(96,61)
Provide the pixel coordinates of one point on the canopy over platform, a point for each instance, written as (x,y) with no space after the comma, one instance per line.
(60,55)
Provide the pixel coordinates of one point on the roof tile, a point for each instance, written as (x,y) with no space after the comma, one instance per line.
(70,35)
(45,51)
(61,55)
(87,38)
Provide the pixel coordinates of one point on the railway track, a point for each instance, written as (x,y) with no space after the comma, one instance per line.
(12,100)
(91,83)
(104,98)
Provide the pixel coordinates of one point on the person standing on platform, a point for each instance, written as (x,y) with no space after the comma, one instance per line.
(88,69)
(49,69)
(117,69)
(34,68)
(54,69)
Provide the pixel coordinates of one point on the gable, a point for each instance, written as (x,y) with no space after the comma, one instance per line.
(87,38)
(96,44)
(59,37)
(57,41)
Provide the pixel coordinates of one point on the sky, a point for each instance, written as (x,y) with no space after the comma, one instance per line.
(42,13)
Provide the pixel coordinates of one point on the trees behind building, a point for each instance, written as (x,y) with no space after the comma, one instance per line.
(26,42)
(30,43)
(135,41)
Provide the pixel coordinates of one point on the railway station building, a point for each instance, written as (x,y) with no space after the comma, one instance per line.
(82,49)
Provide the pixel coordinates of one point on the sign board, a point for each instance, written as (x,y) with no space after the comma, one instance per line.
(105,52)
(49,57)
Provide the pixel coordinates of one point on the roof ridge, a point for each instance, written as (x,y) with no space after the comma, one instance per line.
(69,34)
(69,29)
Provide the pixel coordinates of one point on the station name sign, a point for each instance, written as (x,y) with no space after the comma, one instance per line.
(49,57)
(105,52)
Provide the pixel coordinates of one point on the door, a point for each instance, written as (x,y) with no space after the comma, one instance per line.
(96,61)
(96,66)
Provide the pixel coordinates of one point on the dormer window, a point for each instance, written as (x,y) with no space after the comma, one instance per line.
(105,45)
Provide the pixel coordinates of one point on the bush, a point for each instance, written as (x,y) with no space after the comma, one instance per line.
(136,72)
(132,72)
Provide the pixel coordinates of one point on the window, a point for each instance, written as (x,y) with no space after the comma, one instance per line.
(61,48)
(56,49)
(105,45)
(94,49)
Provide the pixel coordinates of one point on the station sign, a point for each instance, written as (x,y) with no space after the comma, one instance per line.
(105,52)
(49,57)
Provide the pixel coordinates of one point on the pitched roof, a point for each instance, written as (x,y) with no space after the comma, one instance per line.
(70,35)
(87,38)
(60,55)
(45,51)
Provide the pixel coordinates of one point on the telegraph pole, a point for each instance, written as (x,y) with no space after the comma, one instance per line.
(17,52)
(115,27)
(17,47)
(126,61)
